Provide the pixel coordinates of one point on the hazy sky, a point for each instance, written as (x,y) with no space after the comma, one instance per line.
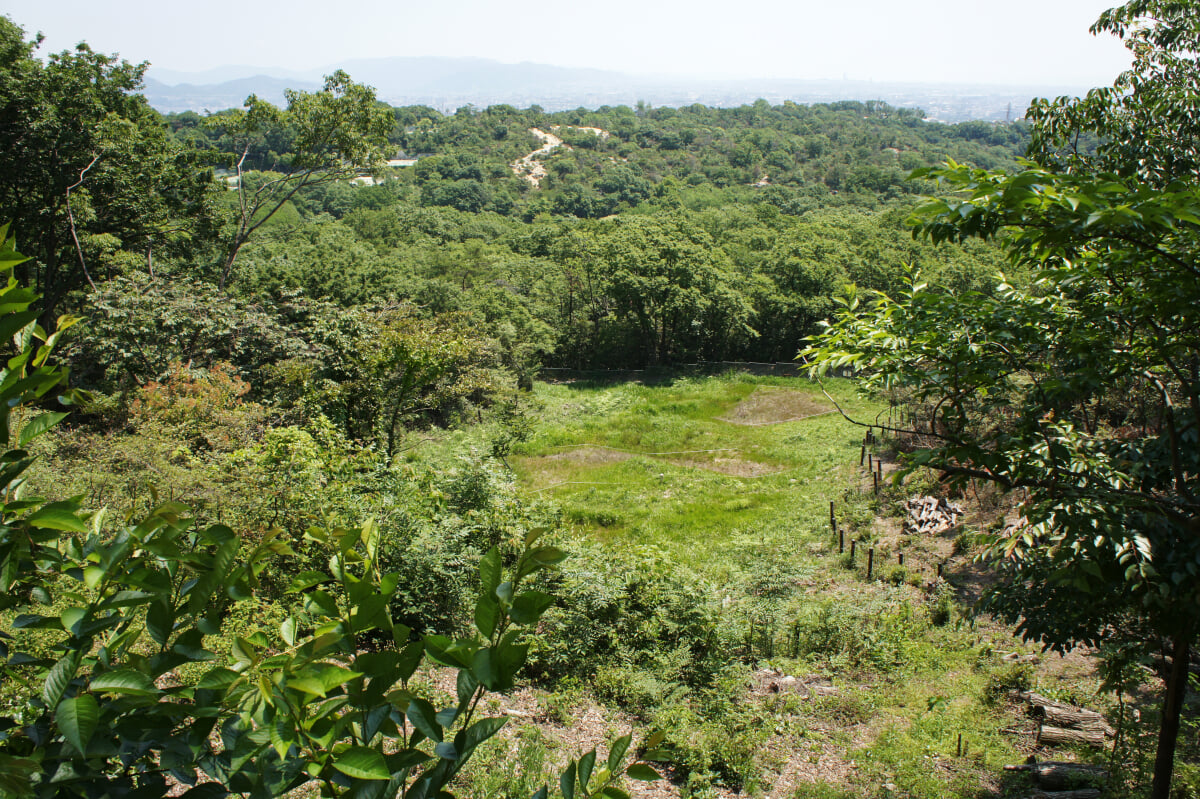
(997,41)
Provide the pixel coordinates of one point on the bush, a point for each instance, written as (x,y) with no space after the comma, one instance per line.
(630,607)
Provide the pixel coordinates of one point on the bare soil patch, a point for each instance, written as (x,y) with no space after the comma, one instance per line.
(590,456)
(775,406)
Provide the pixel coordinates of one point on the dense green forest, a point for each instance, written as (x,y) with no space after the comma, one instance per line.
(336,433)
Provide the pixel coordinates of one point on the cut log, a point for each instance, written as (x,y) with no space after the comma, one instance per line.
(1059,776)
(1075,719)
(1082,793)
(1057,736)
(1037,700)
(1060,714)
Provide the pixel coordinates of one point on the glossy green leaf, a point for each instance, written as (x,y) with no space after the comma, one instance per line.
(57,518)
(160,621)
(59,678)
(362,763)
(490,572)
(422,716)
(77,718)
(123,681)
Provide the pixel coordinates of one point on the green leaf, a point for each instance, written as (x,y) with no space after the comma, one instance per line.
(288,630)
(548,556)
(480,731)
(487,614)
(38,425)
(406,758)
(362,763)
(321,681)
(566,781)
(207,790)
(613,792)
(56,517)
(123,681)
(306,580)
(160,621)
(490,572)
(77,719)
(218,679)
(617,752)
(423,717)
(586,764)
(59,678)
(70,618)
(643,772)
(529,606)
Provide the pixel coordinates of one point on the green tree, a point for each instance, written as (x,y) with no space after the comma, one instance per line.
(108,636)
(88,172)
(336,133)
(1080,389)
(676,290)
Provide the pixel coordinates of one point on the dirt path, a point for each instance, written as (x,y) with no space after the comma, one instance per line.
(531,167)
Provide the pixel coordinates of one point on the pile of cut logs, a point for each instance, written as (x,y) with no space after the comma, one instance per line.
(1055,780)
(930,515)
(1065,724)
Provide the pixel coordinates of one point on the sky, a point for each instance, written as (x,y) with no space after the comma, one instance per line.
(1026,42)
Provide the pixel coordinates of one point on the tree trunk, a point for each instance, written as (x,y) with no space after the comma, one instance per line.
(1168,732)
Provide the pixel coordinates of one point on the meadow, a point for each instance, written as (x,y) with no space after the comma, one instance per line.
(814,680)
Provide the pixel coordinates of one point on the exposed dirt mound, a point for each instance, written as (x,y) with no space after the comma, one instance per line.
(775,406)
(589,455)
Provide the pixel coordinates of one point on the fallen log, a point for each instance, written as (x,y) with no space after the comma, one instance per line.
(1057,736)
(1060,714)
(1075,719)
(1058,776)
(1039,701)
(1082,793)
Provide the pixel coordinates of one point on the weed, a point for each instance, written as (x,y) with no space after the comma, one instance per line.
(1014,677)
(940,604)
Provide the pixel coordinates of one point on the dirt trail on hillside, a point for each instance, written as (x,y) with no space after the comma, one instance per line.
(530,166)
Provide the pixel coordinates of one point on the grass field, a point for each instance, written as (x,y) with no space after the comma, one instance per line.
(692,465)
(731,478)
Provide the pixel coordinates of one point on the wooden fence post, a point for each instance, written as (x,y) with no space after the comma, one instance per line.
(870,562)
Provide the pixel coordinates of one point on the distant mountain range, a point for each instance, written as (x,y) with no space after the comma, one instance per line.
(449,83)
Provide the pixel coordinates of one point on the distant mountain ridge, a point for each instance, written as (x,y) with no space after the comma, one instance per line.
(448,83)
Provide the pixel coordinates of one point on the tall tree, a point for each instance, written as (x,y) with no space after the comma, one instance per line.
(336,134)
(672,287)
(1080,390)
(87,167)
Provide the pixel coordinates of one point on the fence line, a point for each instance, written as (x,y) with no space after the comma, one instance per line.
(781,368)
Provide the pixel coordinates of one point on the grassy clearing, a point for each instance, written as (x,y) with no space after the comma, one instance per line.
(664,464)
(730,479)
